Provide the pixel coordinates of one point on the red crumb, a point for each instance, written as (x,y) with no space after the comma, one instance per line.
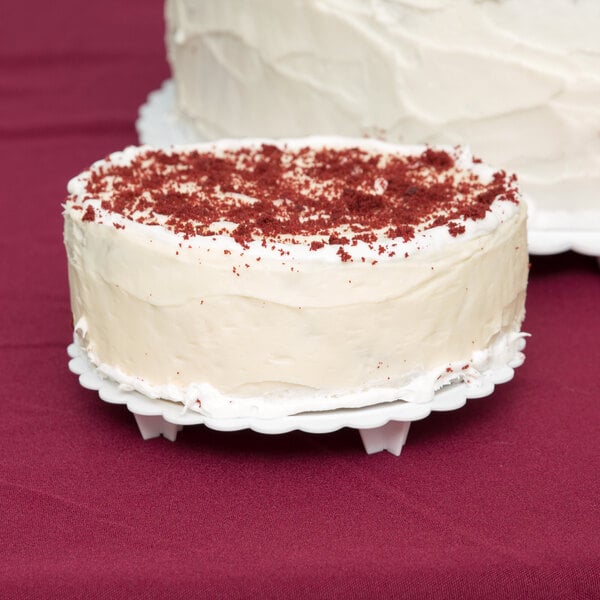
(89,214)
(281,194)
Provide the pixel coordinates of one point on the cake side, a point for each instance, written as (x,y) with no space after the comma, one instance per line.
(519,83)
(283,327)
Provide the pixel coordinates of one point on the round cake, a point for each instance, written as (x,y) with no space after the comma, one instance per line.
(518,81)
(272,277)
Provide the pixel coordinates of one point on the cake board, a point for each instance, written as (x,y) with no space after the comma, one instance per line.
(160,124)
(545,242)
(382,427)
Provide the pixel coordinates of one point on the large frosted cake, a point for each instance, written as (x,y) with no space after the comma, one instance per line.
(516,80)
(275,277)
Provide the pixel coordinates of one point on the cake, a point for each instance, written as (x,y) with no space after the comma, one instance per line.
(516,80)
(272,277)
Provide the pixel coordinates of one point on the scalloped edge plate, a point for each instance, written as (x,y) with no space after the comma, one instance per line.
(382,426)
(555,241)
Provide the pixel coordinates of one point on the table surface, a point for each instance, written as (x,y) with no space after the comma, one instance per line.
(498,499)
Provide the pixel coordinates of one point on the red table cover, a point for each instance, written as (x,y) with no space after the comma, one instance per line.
(499,499)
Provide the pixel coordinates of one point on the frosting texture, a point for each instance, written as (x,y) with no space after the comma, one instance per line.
(517,81)
(231,329)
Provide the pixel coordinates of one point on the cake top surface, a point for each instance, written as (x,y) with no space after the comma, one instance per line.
(295,191)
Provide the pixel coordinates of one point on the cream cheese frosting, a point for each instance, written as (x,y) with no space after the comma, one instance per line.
(234,329)
(519,81)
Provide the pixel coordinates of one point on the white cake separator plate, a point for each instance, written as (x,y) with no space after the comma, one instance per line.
(381,427)
(160,124)
(556,241)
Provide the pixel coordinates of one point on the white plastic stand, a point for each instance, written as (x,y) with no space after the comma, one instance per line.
(391,437)
(381,427)
(153,426)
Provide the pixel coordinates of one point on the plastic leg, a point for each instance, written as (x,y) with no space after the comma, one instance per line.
(153,426)
(390,437)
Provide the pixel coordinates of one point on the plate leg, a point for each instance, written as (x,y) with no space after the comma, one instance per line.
(390,437)
(153,426)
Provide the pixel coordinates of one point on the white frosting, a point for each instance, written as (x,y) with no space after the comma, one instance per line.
(436,238)
(173,320)
(519,81)
(417,386)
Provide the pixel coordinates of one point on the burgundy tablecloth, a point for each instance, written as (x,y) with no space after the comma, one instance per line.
(499,499)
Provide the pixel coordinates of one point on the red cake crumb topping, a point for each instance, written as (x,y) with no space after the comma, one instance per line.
(273,194)
(89,214)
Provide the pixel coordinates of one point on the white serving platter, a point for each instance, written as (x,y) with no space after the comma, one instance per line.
(381,427)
